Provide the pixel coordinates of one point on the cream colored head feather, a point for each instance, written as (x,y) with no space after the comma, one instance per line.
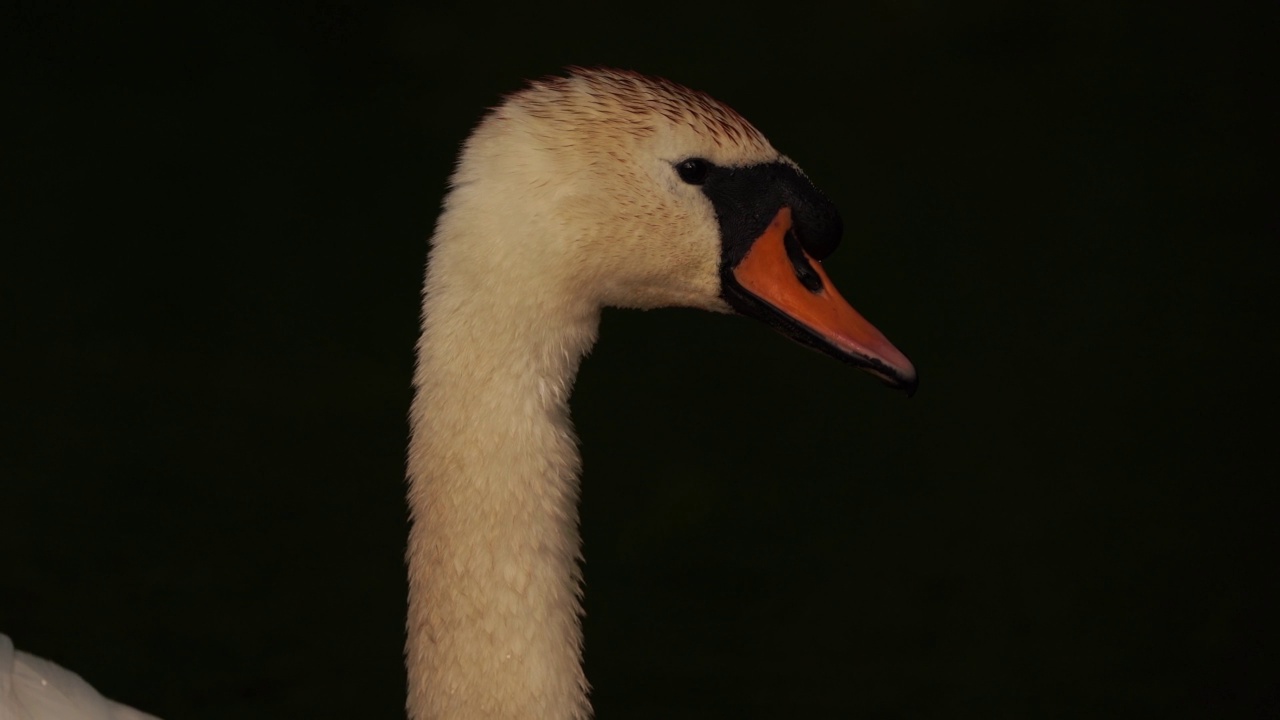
(584,164)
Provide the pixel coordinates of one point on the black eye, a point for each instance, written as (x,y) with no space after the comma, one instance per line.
(693,171)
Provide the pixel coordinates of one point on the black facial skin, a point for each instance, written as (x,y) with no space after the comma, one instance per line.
(746,200)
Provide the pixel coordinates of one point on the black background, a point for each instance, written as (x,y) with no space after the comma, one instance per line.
(214,223)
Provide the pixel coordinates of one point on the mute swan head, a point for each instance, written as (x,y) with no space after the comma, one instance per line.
(629,191)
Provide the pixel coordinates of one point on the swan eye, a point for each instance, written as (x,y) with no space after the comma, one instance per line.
(693,171)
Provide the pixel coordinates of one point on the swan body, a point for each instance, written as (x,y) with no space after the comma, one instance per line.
(36,689)
(600,188)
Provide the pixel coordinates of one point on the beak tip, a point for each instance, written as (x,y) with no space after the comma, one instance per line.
(897,376)
(907,381)
(897,371)
(910,385)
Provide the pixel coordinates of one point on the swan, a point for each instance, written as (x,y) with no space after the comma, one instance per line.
(32,688)
(599,188)
(591,189)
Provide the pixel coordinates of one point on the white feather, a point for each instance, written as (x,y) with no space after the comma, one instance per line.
(35,689)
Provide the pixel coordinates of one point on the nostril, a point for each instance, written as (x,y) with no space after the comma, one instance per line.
(800,263)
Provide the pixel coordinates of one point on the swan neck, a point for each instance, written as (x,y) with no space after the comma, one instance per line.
(493,617)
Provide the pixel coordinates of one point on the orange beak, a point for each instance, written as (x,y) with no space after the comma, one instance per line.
(793,293)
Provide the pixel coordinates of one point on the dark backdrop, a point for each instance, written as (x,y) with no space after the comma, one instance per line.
(214,222)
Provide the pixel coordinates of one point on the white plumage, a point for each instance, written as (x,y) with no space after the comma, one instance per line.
(35,689)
